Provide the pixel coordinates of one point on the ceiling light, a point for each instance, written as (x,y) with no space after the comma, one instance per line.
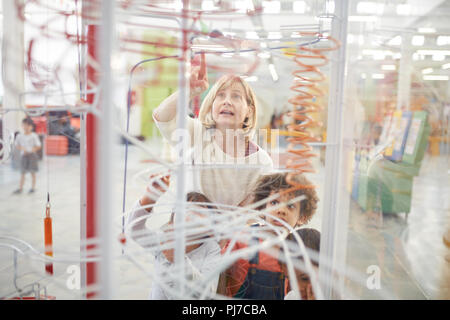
(370,7)
(362,18)
(273,72)
(395,41)
(299,7)
(251,35)
(274,35)
(271,6)
(329,6)
(208,5)
(418,40)
(350,38)
(229,34)
(264,55)
(443,40)
(377,76)
(431,52)
(370,52)
(403,9)
(208,47)
(388,67)
(435,77)
(361,40)
(243,6)
(426,30)
(446,66)
(438,57)
(379,56)
(427,70)
(251,79)
(177,5)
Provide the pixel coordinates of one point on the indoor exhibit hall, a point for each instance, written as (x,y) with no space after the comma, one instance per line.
(211,149)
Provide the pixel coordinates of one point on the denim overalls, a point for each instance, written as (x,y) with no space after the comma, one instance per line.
(261,284)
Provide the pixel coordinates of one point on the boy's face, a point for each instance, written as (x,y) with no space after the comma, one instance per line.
(26,127)
(288,212)
(304,283)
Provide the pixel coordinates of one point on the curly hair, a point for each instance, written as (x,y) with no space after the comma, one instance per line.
(311,240)
(277,182)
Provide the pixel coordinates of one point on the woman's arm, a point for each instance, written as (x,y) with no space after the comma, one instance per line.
(167,110)
(138,230)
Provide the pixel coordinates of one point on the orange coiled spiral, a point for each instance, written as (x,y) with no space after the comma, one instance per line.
(307,78)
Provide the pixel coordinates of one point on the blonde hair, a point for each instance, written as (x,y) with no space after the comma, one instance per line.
(224,82)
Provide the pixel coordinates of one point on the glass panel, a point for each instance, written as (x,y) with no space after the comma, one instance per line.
(397,92)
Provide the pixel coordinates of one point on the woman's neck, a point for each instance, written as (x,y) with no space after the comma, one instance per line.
(233,142)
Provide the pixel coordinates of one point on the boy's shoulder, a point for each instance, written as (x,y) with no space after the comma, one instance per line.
(211,245)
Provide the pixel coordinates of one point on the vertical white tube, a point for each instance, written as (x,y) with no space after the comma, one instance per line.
(405,73)
(106,139)
(183,101)
(13,66)
(335,210)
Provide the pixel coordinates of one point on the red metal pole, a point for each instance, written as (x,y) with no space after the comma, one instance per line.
(91,158)
(48,239)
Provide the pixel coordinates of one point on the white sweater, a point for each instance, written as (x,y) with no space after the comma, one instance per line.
(222,178)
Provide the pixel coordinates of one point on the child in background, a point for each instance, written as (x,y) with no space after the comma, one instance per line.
(220,136)
(200,257)
(262,276)
(311,240)
(28,143)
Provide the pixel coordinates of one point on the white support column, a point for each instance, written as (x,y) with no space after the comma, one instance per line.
(182,106)
(106,140)
(13,66)
(335,209)
(404,74)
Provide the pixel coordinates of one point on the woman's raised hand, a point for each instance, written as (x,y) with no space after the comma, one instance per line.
(198,83)
(199,78)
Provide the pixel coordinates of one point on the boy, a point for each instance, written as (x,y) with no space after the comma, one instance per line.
(28,143)
(311,240)
(262,276)
(201,252)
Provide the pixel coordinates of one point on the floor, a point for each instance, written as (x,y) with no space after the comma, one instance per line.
(409,250)
(408,253)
